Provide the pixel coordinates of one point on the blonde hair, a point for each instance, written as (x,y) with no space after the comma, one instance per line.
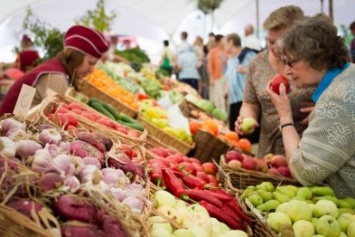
(283,18)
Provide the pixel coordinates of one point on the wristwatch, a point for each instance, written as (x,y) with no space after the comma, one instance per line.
(285,125)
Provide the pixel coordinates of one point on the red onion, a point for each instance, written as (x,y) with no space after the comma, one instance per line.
(51,181)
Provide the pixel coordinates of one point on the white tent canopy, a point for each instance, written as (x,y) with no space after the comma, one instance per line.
(155,20)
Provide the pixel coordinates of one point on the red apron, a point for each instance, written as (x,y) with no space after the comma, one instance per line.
(30,79)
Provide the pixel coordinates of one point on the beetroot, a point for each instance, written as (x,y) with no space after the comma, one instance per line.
(25,206)
(71,208)
(83,149)
(76,230)
(89,138)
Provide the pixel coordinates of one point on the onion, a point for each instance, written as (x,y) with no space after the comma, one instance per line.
(7,148)
(10,123)
(51,136)
(134,203)
(92,161)
(26,148)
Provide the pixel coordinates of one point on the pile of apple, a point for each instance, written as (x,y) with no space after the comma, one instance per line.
(270,164)
(158,117)
(305,211)
(167,158)
(194,220)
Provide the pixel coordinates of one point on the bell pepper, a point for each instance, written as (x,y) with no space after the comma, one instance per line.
(201,195)
(173,184)
(190,181)
(142,96)
(156,177)
(217,213)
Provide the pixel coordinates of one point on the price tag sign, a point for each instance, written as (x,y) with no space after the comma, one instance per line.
(254,210)
(24,100)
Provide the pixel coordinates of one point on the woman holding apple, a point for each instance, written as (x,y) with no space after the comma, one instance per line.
(262,68)
(314,55)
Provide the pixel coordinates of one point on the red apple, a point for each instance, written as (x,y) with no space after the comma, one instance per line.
(262,165)
(213,180)
(202,175)
(198,167)
(209,168)
(276,81)
(273,171)
(268,157)
(234,164)
(278,161)
(285,171)
(233,155)
(249,163)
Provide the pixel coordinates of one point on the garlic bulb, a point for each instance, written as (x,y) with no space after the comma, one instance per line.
(7,148)
(26,148)
(11,123)
(51,136)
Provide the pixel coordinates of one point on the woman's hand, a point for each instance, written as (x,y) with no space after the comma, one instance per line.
(281,103)
(239,121)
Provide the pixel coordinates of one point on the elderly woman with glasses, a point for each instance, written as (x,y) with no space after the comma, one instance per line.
(315,55)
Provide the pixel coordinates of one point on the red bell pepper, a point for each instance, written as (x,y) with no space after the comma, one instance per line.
(173,184)
(201,195)
(190,181)
(237,209)
(142,96)
(221,216)
(156,177)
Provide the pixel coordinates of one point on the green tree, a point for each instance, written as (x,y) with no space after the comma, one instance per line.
(98,18)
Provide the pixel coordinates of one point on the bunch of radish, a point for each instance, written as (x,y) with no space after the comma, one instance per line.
(65,115)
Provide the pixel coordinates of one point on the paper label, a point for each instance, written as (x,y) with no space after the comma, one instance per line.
(254,210)
(24,101)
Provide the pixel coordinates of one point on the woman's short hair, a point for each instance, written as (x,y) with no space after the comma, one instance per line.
(235,38)
(283,18)
(315,40)
(71,59)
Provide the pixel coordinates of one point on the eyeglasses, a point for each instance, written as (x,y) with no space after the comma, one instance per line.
(290,63)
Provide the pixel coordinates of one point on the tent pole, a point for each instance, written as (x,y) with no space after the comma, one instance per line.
(322,6)
(257,18)
(331,10)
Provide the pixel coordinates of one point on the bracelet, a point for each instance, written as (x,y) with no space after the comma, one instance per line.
(285,125)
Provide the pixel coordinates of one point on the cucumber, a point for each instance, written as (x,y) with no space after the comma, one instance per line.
(97,106)
(91,100)
(127,119)
(136,126)
(111,110)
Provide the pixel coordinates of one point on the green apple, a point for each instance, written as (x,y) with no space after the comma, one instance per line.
(199,231)
(248,125)
(318,236)
(166,226)
(299,198)
(280,197)
(156,219)
(234,233)
(329,198)
(289,190)
(303,228)
(344,204)
(169,212)
(342,234)
(282,207)
(304,192)
(164,198)
(311,206)
(159,232)
(183,233)
(344,220)
(298,210)
(267,186)
(328,226)
(216,228)
(276,219)
(351,229)
(198,219)
(325,207)
(197,208)
(351,201)
(223,227)
(345,210)
(180,204)
(314,221)
(181,214)
(255,199)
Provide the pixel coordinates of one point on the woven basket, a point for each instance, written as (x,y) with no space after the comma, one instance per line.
(209,147)
(165,138)
(242,178)
(86,123)
(91,91)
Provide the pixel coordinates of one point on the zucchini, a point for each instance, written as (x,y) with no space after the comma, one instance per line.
(97,106)
(111,110)
(136,126)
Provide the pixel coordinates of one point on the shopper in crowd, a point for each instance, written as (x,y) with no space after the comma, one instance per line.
(167,60)
(27,58)
(256,103)
(187,66)
(326,150)
(111,54)
(200,54)
(83,47)
(235,80)
(182,46)
(250,38)
(352,44)
(217,65)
